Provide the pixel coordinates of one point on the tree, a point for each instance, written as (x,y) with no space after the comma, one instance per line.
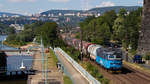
(119,29)
(48,31)
(133,23)
(103,34)
(122,13)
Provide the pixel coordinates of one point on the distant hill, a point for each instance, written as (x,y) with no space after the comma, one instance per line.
(56,12)
(9,14)
(94,10)
(116,8)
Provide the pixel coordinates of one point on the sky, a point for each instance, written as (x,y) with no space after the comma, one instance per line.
(27,7)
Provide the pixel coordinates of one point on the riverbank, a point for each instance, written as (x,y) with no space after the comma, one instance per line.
(27,45)
(11,44)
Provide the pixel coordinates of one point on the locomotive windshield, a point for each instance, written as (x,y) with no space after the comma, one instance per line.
(111,56)
(118,56)
(114,56)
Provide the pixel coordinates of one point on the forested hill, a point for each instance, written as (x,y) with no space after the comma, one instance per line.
(116,8)
(56,12)
(94,10)
(8,14)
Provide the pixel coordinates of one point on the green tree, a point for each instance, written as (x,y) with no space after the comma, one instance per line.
(119,29)
(103,34)
(133,23)
(48,31)
(122,13)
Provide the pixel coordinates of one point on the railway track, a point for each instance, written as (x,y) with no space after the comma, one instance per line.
(127,76)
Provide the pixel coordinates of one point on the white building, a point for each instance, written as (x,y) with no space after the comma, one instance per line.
(69,14)
(17,27)
(60,14)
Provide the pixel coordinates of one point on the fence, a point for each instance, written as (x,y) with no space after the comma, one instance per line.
(83,72)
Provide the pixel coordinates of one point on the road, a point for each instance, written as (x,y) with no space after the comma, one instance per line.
(76,76)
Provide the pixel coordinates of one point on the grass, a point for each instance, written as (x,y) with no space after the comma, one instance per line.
(52,63)
(11,45)
(93,70)
(67,80)
(137,66)
(15,45)
(51,59)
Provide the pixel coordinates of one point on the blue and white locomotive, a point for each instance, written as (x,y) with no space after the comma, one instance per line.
(109,59)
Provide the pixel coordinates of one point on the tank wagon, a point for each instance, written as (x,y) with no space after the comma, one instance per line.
(110,60)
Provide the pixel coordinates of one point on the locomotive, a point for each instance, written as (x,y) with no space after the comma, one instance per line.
(109,59)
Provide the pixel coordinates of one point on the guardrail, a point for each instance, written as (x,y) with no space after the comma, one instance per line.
(82,71)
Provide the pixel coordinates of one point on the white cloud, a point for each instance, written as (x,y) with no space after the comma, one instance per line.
(106,4)
(22,0)
(140,2)
(58,0)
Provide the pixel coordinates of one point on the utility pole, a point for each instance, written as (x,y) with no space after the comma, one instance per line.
(42,54)
(46,69)
(44,61)
(81,52)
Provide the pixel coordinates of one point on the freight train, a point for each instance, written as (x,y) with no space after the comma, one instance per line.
(109,59)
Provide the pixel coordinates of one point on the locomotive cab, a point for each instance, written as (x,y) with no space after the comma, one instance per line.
(110,60)
(115,61)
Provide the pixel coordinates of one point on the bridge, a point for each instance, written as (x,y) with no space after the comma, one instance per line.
(16,72)
(20,52)
(25,50)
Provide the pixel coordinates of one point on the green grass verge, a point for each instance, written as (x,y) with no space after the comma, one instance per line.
(137,66)
(11,44)
(93,70)
(67,80)
(52,63)
(51,59)
(15,44)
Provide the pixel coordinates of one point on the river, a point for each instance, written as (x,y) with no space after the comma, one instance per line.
(14,63)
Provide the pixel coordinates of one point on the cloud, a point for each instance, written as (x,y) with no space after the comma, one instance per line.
(22,0)
(140,2)
(58,0)
(106,4)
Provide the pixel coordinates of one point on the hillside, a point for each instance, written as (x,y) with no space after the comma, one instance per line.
(94,10)
(9,14)
(56,12)
(116,8)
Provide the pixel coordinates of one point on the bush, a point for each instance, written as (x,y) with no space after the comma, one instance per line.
(147,56)
(67,80)
(105,81)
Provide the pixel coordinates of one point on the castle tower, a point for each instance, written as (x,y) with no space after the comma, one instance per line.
(144,38)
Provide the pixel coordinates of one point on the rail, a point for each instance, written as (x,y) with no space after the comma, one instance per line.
(82,71)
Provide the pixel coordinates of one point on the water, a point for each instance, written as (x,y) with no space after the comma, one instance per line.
(4,47)
(14,63)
